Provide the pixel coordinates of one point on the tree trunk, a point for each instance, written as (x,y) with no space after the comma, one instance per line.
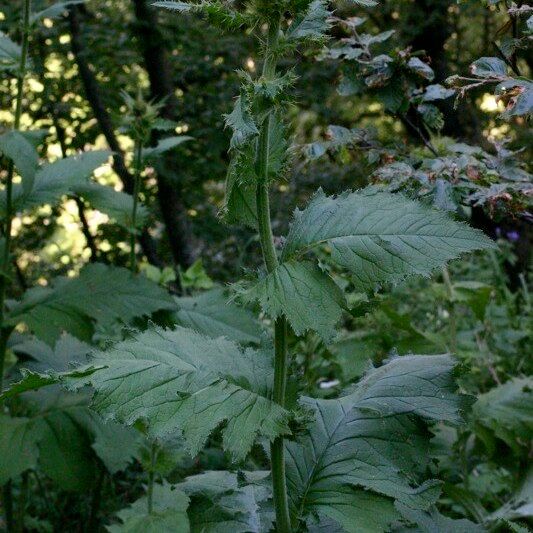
(92,93)
(170,191)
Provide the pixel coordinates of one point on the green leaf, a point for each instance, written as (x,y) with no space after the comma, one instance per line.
(241,121)
(475,294)
(520,505)
(169,513)
(353,356)
(164,145)
(102,295)
(364,3)
(507,410)
(118,205)
(210,313)
(432,116)
(66,352)
(433,521)
(422,69)
(215,11)
(367,449)
(224,501)
(314,23)
(436,92)
(518,95)
(10,53)
(239,202)
(181,7)
(63,438)
(381,237)
(53,180)
(195,277)
(308,297)
(489,67)
(182,381)
(54,11)
(24,156)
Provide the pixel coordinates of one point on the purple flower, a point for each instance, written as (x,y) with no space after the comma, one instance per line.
(513,236)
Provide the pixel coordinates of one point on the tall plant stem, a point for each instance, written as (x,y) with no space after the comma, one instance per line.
(277,450)
(451,309)
(136,189)
(4,333)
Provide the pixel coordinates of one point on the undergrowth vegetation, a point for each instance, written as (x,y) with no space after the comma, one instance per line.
(356,354)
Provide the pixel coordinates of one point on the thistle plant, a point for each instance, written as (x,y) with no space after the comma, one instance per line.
(140,119)
(355,463)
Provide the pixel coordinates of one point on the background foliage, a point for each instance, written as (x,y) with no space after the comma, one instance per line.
(431,99)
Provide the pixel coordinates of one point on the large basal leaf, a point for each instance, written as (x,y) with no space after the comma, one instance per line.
(308,297)
(53,180)
(367,449)
(102,295)
(62,437)
(210,313)
(380,237)
(507,411)
(181,381)
(169,513)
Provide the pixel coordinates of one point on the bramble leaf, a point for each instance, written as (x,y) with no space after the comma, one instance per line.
(489,67)
(381,237)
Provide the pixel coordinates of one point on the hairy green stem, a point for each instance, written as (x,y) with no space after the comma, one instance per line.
(4,333)
(451,309)
(136,189)
(277,450)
